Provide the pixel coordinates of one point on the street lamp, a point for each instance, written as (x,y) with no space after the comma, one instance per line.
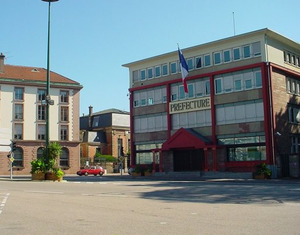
(48,99)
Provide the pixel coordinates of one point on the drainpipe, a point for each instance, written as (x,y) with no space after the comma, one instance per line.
(270,101)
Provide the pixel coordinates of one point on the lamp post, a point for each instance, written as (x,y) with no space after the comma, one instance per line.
(48,99)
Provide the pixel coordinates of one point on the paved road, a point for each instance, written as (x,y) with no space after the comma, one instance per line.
(109,206)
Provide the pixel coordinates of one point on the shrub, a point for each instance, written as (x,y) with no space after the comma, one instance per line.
(262,169)
(104,158)
(37,165)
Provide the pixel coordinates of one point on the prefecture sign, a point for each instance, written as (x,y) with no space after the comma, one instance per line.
(190,105)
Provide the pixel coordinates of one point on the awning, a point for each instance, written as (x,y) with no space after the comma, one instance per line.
(186,138)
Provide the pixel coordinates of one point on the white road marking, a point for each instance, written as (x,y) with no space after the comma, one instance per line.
(3,202)
(163,222)
(46,192)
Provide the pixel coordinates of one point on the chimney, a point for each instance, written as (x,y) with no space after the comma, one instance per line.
(90,116)
(2,63)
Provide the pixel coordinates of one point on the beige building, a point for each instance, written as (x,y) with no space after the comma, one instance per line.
(242,107)
(22,90)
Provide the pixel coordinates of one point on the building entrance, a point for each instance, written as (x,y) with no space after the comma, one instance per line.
(188,160)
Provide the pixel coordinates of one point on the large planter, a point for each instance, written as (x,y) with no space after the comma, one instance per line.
(147,173)
(260,177)
(38,176)
(53,177)
(135,174)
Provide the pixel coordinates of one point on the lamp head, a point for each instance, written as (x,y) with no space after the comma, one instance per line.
(50,0)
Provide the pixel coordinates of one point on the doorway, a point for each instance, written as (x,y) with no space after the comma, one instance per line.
(188,160)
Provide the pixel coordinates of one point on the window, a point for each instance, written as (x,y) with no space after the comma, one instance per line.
(143,102)
(181,93)
(64,114)
(191,119)
(19,93)
(248,84)
(228,83)
(240,112)
(150,73)
(246,51)
(135,76)
(288,85)
(18,131)
(207,60)
(18,158)
(40,153)
(226,56)
(258,79)
(150,101)
(198,62)
(249,153)
(143,74)
(248,79)
(191,93)
(256,49)
(64,96)
(236,54)
(41,132)
(218,86)
(157,71)
(174,92)
(207,87)
(136,98)
(18,112)
(238,85)
(190,63)
(173,67)
(150,123)
(41,95)
(164,69)
(64,158)
(41,112)
(295,140)
(64,132)
(294,114)
(217,57)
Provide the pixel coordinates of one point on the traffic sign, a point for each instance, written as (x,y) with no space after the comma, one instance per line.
(11,159)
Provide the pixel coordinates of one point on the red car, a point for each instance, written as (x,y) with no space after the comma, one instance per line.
(93,170)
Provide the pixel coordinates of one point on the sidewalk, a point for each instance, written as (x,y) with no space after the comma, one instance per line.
(126,176)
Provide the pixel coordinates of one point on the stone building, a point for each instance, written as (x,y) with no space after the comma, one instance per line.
(107,132)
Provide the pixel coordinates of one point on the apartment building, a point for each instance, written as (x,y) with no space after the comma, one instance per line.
(241,109)
(23,110)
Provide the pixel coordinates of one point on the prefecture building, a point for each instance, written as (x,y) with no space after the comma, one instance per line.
(241,109)
(22,110)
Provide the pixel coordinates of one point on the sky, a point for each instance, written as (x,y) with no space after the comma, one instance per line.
(92,39)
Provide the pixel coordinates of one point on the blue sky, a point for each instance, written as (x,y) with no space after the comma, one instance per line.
(92,39)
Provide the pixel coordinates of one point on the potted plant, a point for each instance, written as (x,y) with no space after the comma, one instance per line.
(58,174)
(52,154)
(37,169)
(148,171)
(137,171)
(262,172)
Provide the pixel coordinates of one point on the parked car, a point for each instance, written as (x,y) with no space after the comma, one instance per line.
(93,170)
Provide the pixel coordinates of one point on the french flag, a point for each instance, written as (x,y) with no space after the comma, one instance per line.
(184,69)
